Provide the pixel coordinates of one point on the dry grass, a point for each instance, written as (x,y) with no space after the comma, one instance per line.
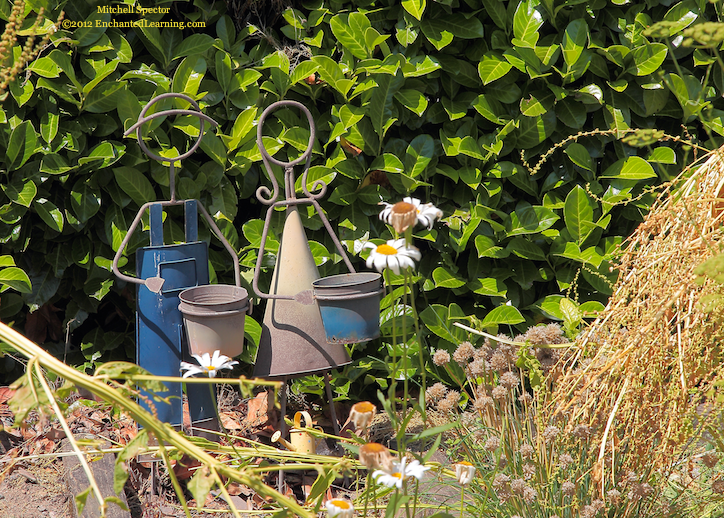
(648,371)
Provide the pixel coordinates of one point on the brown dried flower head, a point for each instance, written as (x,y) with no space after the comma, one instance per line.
(402,216)
(526,451)
(500,392)
(441,357)
(568,488)
(361,414)
(436,392)
(464,352)
(375,456)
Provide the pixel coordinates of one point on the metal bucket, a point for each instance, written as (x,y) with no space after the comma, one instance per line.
(350,306)
(214,318)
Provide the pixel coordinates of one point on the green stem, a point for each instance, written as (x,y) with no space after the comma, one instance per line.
(404,348)
(393,381)
(407,504)
(421,356)
(462,499)
(367,491)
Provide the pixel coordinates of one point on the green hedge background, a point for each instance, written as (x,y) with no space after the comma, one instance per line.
(453,102)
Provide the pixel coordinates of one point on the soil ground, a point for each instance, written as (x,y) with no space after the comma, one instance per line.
(34,478)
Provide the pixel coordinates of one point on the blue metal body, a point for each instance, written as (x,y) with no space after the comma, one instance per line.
(160,338)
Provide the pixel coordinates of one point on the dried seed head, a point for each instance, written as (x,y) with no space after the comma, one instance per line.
(526,451)
(441,357)
(640,491)
(550,433)
(450,402)
(529,495)
(464,352)
(528,470)
(565,460)
(492,444)
(582,431)
(525,398)
(483,402)
(500,393)
(477,368)
(614,495)
(509,380)
(718,486)
(568,488)
(518,485)
(436,392)
(499,362)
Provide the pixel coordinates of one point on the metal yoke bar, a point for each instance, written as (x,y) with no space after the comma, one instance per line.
(191,221)
(155,220)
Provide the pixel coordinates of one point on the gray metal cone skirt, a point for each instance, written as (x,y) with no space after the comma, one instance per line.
(293,342)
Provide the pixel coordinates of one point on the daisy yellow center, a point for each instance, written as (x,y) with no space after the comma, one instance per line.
(464,463)
(364,406)
(210,368)
(386,250)
(402,207)
(342,504)
(396,475)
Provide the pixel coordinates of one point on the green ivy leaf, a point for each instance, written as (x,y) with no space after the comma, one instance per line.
(49,213)
(443,278)
(493,67)
(530,220)
(194,44)
(578,214)
(16,278)
(415,7)
(574,41)
(648,58)
(189,75)
(21,145)
(631,168)
(349,30)
(503,315)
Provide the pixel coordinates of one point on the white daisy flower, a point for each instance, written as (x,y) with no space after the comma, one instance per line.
(464,472)
(339,508)
(208,365)
(408,212)
(394,254)
(399,473)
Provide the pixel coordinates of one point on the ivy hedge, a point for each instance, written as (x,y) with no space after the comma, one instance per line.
(454,102)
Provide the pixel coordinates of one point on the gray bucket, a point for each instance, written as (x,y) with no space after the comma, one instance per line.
(214,318)
(350,306)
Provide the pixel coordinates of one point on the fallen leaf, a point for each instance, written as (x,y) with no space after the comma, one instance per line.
(257,410)
(229,422)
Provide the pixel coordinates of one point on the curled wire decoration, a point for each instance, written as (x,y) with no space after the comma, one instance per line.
(267,197)
(263,194)
(143,118)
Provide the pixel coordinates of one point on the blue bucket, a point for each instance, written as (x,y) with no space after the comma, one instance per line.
(350,306)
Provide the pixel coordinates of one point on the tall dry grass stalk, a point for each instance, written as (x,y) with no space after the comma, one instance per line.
(648,373)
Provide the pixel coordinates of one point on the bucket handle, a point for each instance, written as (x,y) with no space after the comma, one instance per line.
(353,296)
(298,421)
